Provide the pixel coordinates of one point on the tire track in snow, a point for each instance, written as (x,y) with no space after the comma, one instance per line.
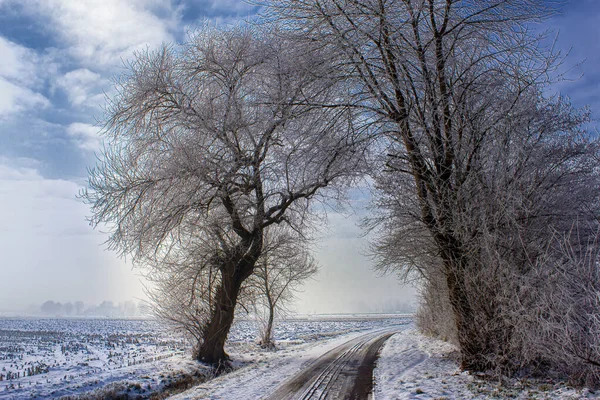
(345,372)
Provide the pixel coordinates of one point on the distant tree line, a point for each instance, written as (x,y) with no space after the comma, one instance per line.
(78,309)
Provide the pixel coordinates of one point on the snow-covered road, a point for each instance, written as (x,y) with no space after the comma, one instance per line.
(327,369)
(346,372)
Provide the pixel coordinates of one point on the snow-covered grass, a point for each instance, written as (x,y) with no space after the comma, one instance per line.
(412,366)
(96,358)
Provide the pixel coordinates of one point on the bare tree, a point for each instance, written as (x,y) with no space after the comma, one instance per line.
(479,165)
(284,265)
(214,141)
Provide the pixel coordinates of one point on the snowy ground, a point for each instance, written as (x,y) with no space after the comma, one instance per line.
(91,358)
(412,366)
(50,358)
(264,372)
(97,358)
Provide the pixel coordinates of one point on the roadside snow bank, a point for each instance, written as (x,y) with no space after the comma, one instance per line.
(412,366)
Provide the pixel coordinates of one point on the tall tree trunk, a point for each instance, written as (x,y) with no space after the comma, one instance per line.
(212,348)
(472,348)
(471,338)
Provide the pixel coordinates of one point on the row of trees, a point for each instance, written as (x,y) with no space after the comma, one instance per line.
(483,179)
(485,186)
(78,308)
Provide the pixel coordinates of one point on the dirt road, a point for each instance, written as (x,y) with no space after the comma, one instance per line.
(346,372)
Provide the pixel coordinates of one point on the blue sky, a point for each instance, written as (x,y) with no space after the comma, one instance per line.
(56,61)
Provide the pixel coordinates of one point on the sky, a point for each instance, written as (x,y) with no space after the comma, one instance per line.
(57,59)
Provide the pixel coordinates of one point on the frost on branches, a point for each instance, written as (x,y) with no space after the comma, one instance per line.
(482,177)
(207,145)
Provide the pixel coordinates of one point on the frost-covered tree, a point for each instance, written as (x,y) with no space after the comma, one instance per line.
(68,308)
(79,307)
(479,167)
(184,279)
(284,266)
(51,308)
(208,144)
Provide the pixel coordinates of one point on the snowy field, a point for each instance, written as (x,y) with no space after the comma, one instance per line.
(90,358)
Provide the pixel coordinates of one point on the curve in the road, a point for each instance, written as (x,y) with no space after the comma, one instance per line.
(346,372)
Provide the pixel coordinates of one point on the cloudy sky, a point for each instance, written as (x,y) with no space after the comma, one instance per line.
(56,61)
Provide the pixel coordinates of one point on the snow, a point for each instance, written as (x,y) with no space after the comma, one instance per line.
(79,357)
(97,358)
(64,357)
(265,371)
(299,341)
(412,366)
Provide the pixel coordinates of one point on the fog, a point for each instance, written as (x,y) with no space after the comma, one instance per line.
(49,252)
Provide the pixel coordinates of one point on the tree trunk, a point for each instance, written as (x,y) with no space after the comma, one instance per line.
(266,341)
(212,348)
(472,349)
(471,338)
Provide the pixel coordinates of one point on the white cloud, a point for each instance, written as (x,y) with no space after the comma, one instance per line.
(18,79)
(83,87)
(100,33)
(20,173)
(86,136)
(17,63)
(15,98)
(37,206)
